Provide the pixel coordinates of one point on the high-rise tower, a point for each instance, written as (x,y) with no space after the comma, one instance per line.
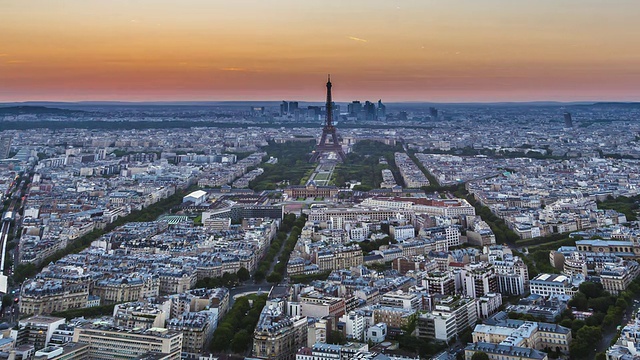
(328,131)
(5,146)
(568,121)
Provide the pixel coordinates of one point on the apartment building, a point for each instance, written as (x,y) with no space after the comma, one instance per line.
(503,352)
(479,279)
(439,282)
(616,279)
(403,232)
(528,334)
(142,315)
(354,324)
(450,233)
(343,257)
(392,316)
(628,342)
(278,336)
(127,289)
(549,284)
(37,330)
(434,207)
(322,306)
(46,296)
(197,330)
(176,281)
(488,304)
(355,214)
(320,351)
(108,342)
(70,351)
(450,317)
(400,299)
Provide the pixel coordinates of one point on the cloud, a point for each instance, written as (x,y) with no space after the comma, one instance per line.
(1,55)
(240,69)
(356,39)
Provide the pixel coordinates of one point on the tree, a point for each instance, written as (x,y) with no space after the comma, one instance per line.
(221,338)
(621,303)
(274,277)
(601,304)
(579,301)
(240,341)
(243,274)
(24,271)
(591,290)
(336,337)
(229,279)
(577,325)
(234,330)
(566,323)
(595,320)
(258,275)
(479,355)
(579,349)
(585,338)
(7,300)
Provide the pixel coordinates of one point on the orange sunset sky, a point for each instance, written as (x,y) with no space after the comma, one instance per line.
(396,50)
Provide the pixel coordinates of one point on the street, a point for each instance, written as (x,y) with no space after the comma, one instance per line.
(607,336)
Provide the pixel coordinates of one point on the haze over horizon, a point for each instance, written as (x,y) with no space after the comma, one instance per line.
(249,50)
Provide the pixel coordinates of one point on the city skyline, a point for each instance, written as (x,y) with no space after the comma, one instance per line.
(459,51)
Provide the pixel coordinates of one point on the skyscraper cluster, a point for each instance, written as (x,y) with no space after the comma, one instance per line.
(367,111)
(288,108)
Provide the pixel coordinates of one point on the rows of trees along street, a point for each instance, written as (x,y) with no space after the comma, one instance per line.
(289,222)
(498,226)
(281,267)
(235,332)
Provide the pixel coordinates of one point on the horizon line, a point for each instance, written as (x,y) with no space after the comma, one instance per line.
(159,102)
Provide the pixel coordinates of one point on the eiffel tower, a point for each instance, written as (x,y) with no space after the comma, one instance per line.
(324,147)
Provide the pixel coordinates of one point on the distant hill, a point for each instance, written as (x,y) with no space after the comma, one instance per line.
(620,104)
(38,110)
